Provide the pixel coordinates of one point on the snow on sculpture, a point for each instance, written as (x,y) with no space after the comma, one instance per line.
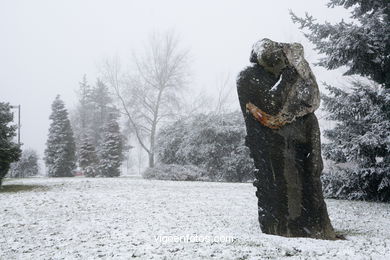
(278,96)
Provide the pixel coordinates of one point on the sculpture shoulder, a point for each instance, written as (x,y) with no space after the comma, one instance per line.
(246,75)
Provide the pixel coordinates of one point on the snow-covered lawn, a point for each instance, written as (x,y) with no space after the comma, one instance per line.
(81,218)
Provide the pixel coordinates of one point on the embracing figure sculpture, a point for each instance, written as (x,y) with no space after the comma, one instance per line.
(278,95)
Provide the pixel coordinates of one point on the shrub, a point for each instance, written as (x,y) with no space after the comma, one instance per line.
(175,172)
(27,165)
(214,143)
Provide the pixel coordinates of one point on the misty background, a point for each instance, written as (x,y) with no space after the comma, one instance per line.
(47,46)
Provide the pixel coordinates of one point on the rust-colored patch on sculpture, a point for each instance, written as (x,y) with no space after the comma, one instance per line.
(270,121)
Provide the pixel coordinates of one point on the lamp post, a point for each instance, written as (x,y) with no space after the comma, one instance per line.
(18,107)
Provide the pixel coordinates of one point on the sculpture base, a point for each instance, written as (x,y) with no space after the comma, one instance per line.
(289,190)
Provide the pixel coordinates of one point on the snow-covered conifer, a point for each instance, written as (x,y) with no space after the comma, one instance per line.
(88,161)
(9,150)
(92,111)
(111,149)
(359,144)
(102,108)
(60,145)
(361,44)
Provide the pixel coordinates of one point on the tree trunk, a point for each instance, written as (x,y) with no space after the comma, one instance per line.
(151,160)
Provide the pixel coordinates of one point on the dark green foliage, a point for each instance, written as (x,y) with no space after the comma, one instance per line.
(362,45)
(87,158)
(111,150)
(9,150)
(214,143)
(91,115)
(60,145)
(92,112)
(359,143)
(361,7)
(85,104)
(102,107)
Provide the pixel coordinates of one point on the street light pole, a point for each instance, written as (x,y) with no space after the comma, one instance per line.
(19,108)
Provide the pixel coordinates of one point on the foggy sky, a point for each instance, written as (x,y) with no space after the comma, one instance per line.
(47,46)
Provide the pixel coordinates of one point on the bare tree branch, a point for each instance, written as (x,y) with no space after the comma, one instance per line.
(112,70)
(151,91)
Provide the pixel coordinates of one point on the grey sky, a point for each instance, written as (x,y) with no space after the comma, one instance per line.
(46,46)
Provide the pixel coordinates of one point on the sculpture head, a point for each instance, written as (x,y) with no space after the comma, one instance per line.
(274,56)
(269,54)
(300,89)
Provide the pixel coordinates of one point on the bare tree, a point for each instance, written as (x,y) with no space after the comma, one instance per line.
(221,100)
(225,93)
(198,103)
(150,94)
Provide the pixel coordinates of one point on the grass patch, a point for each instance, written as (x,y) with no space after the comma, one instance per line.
(19,187)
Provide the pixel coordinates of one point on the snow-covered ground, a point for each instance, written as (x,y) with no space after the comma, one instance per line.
(81,218)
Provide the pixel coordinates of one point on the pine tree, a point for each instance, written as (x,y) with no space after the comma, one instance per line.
(91,114)
(111,149)
(359,144)
(81,118)
(87,157)
(362,45)
(60,151)
(9,150)
(85,95)
(102,108)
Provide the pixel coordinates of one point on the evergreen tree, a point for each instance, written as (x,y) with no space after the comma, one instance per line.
(111,149)
(87,157)
(81,118)
(85,102)
(102,108)
(9,151)
(91,113)
(27,165)
(359,144)
(362,45)
(60,151)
